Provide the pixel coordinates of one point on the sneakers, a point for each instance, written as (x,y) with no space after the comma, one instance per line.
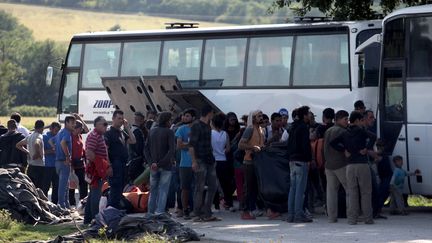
(272,215)
(179,214)
(247,216)
(332,220)
(258,213)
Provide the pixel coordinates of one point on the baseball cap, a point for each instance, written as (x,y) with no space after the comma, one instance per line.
(283,112)
(78,124)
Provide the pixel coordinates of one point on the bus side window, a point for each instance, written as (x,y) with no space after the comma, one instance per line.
(182,58)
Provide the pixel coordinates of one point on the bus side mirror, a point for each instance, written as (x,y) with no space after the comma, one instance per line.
(49,75)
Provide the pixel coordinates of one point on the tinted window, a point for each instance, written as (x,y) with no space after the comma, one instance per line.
(74,58)
(224,62)
(393,96)
(269,61)
(69,100)
(140,58)
(100,60)
(321,60)
(420,57)
(183,58)
(394,39)
(370,59)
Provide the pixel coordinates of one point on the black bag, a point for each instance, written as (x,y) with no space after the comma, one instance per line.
(273,175)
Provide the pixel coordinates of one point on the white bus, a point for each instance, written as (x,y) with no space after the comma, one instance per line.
(238,69)
(405,91)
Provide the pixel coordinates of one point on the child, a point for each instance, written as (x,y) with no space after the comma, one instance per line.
(397,185)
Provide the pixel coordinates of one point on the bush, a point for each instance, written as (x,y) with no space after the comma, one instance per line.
(6,221)
(35,111)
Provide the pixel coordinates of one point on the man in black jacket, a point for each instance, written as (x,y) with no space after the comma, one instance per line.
(10,156)
(356,142)
(159,151)
(300,156)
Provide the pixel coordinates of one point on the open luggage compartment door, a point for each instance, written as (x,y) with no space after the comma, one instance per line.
(128,94)
(157,93)
(190,99)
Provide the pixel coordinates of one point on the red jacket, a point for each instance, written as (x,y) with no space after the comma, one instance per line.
(97,170)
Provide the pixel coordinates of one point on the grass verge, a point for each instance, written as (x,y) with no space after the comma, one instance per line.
(28,122)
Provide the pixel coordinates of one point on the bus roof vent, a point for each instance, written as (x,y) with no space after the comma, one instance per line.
(311,19)
(181,25)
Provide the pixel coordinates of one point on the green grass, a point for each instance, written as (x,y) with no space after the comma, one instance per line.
(29,122)
(20,232)
(61,24)
(419,201)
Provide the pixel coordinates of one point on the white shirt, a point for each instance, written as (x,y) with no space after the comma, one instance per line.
(34,138)
(269,134)
(23,130)
(219,141)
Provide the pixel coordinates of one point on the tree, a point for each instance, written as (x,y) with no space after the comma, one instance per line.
(10,73)
(344,9)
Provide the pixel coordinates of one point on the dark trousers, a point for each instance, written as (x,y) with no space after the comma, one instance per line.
(50,178)
(134,169)
(116,182)
(250,189)
(225,174)
(83,187)
(36,174)
(383,192)
(204,175)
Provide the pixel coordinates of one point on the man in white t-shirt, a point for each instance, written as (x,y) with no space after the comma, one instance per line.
(275,132)
(20,128)
(35,154)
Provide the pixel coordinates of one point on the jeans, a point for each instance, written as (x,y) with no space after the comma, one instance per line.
(116,182)
(83,187)
(92,206)
(159,187)
(174,192)
(63,172)
(298,176)
(50,177)
(204,175)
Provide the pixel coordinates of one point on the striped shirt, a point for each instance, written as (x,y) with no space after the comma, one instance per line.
(96,143)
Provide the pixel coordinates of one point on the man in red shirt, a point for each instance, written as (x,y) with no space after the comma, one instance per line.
(96,148)
(78,159)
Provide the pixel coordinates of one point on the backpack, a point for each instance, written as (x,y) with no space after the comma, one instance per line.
(138,200)
(318,152)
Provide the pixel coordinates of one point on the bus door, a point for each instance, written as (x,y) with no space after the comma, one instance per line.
(393,125)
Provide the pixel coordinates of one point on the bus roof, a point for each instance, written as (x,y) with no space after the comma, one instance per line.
(409,11)
(217,30)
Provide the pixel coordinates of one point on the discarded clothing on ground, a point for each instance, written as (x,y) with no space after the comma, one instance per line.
(117,225)
(25,202)
(273,175)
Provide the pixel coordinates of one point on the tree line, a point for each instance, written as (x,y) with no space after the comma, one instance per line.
(23,64)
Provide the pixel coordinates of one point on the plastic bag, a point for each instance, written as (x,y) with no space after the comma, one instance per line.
(103,202)
(73,180)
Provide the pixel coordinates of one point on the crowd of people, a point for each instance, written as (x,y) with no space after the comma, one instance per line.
(201,159)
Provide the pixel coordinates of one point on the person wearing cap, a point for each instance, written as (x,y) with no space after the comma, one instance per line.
(33,146)
(77,159)
(285,116)
(10,156)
